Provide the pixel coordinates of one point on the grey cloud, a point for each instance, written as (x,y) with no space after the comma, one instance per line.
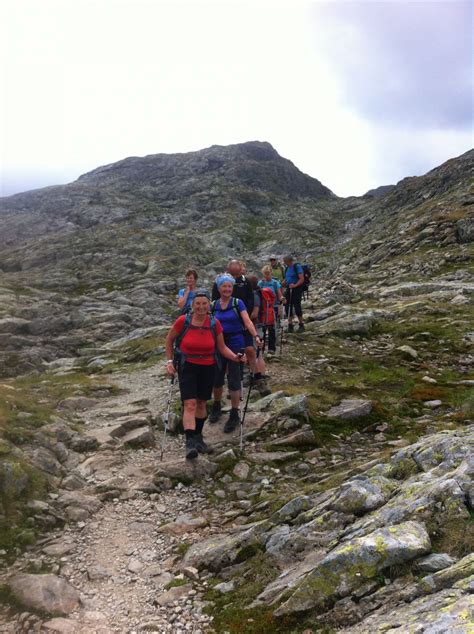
(407,63)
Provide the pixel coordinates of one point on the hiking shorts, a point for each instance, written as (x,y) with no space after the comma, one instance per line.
(248,339)
(196,381)
(233,375)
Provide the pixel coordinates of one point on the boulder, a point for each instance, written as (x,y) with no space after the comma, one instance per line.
(173,594)
(350,409)
(435,562)
(141,437)
(220,551)
(46,593)
(183,524)
(408,352)
(77,403)
(280,405)
(353,563)
(465,230)
(362,494)
(302,438)
(344,324)
(185,471)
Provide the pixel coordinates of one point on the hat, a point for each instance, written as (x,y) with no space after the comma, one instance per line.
(272,257)
(202,292)
(222,279)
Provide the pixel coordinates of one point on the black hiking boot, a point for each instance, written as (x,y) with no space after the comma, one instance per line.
(191,451)
(290,328)
(216,412)
(232,421)
(201,445)
(301,328)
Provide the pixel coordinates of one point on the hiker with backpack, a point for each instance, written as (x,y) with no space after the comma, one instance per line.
(278,270)
(234,318)
(241,290)
(294,283)
(271,290)
(186,295)
(192,345)
(258,314)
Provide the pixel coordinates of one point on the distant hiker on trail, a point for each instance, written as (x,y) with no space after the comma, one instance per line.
(278,270)
(294,281)
(198,337)
(269,323)
(259,376)
(242,290)
(234,317)
(186,295)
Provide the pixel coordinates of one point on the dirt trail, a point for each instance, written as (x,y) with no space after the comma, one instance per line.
(118,558)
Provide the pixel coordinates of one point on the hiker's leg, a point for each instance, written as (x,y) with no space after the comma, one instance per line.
(189,414)
(288,296)
(297,295)
(234,382)
(271,339)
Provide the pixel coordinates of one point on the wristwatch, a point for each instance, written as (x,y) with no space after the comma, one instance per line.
(169,361)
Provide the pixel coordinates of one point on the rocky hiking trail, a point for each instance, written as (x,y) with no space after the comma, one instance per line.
(350,509)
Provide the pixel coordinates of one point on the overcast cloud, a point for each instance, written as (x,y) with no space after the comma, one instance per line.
(356,94)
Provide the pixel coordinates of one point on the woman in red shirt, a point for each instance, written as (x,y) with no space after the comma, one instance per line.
(198,348)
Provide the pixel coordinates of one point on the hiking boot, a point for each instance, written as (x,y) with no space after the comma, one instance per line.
(262,387)
(290,328)
(216,412)
(301,328)
(191,451)
(232,421)
(201,445)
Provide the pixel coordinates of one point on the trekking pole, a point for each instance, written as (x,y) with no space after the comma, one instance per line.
(290,314)
(242,412)
(166,418)
(242,418)
(280,326)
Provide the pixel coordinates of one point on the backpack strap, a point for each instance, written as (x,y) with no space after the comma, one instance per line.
(179,356)
(235,308)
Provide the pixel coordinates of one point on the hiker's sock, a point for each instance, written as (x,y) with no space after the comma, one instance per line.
(189,433)
(200,424)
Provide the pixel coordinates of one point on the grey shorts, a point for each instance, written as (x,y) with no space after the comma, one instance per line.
(233,375)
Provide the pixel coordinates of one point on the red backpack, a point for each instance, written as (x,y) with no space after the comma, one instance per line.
(266,315)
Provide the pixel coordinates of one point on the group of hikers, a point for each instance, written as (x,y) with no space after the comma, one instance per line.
(220,331)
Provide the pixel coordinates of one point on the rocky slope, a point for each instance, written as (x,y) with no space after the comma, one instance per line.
(351,506)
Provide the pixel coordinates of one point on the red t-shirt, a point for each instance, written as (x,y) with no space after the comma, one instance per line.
(198,340)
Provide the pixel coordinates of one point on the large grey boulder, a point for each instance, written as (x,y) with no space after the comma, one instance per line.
(353,563)
(449,611)
(220,551)
(362,494)
(186,471)
(345,324)
(350,408)
(281,405)
(48,593)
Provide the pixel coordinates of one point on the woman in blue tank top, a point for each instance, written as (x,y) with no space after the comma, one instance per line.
(234,318)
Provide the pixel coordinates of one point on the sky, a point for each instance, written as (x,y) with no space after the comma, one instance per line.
(356,94)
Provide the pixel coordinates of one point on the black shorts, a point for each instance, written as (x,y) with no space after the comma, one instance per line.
(234,376)
(196,381)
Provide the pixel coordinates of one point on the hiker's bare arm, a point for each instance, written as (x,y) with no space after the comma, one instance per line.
(169,341)
(248,323)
